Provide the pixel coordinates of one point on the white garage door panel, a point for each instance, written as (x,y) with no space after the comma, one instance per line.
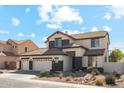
(25,65)
(42,65)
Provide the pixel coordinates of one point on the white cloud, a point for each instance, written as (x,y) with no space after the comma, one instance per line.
(44,11)
(27,10)
(104,28)
(67,14)
(71,32)
(52,26)
(118,11)
(4,32)
(107,16)
(107,28)
(32,35)
(58,15)
(20,34)
(15,21)
(94,29)
(44,39)
(26,35)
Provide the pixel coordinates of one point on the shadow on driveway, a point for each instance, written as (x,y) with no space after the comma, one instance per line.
(26,72)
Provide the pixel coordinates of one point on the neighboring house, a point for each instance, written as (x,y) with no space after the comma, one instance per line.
(67,52)
(10,51)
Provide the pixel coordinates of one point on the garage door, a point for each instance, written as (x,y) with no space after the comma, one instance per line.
(42,65)
(25,65)
(2,64)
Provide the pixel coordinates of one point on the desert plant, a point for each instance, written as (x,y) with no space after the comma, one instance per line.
(68,79)
(43,74)
(116,74)
(61,75)
(89,69)
(95,72)
(99,82)
(110,80)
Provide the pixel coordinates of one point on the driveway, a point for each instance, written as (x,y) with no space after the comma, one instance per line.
(12,79)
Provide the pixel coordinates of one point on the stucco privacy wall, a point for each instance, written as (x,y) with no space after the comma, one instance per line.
(111,66)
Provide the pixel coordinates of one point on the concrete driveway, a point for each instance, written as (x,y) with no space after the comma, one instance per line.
(14,74)
(22,79)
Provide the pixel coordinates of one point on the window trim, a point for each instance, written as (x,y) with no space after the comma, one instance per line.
(57,45)
(94,43)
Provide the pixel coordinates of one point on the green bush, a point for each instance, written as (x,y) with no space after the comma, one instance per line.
(99,82)
(116,74)
(89,69)
(95,72)
(61,75)
(110,80)
(43,74)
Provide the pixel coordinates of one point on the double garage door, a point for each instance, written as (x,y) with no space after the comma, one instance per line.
(37,65)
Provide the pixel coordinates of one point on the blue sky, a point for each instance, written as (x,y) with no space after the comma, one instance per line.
(38,22)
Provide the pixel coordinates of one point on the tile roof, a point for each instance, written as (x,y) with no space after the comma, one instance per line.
(18,41)
(89,35)
(54,51)
(94,52)
(5,53)
(39,51)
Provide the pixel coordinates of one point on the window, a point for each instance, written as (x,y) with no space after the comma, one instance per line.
(14,46)
(58,42)
(95,43)
(26,49)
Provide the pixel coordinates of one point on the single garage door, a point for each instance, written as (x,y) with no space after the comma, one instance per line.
(25,65)
(42,65)
(2,64)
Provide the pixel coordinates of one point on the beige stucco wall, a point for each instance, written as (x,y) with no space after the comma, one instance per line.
(67,63)
(4,59)
(59,35)
(78,51)
(87,43)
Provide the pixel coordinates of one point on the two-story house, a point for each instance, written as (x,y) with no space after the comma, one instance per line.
(67,52)
(10,51)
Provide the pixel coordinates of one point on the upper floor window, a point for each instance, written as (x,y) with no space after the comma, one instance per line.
(95,42)
(58,42)
(14,46)
(26,49)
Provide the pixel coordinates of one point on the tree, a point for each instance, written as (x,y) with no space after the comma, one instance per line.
(116,55)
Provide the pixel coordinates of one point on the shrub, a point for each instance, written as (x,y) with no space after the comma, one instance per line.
(89,69)
(68,79)
(95,72)
(61,75)
(110,80)
(43,74)
(99,82)
(116,74)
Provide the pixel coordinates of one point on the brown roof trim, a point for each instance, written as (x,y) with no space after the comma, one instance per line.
(61,33)
(75,47)
(94,52)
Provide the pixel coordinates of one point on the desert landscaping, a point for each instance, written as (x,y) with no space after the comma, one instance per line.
(90,77)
